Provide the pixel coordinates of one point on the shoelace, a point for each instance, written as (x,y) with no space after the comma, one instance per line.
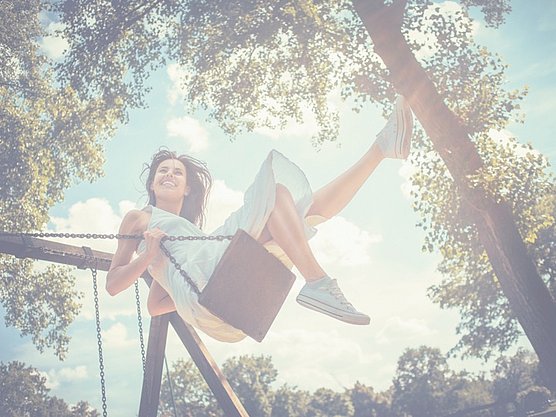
(337,293)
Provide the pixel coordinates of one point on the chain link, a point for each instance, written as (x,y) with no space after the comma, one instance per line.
(172,259)
(112,236)
(178,267)
(99,342)
(140,324)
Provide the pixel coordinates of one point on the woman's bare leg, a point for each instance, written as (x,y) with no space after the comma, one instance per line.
(334,196)
(393,141)
(286,228)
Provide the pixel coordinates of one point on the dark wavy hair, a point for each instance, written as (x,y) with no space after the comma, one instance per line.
(199,182)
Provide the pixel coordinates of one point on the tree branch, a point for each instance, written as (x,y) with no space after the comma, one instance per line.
(385,19)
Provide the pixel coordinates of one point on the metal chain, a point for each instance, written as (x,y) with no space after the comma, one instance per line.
(73,235)
(178,267)
(112,236)
(99,342)
(176,264)
(140,324)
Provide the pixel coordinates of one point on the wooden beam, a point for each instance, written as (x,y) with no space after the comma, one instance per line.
(150,393)
(46,250)
(216,380)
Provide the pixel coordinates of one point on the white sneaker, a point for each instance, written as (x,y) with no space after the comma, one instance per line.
(325,296)
(394,139)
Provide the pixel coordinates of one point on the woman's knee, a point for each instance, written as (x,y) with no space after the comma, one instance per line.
(283,195)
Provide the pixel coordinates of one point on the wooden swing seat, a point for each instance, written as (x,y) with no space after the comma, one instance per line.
(248,286)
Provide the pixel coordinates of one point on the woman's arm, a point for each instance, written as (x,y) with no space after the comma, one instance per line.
(159,302)
(123,270)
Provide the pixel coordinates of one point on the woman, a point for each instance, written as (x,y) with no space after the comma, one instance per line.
(279,211)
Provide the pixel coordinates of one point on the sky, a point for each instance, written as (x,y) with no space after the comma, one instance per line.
(373,247)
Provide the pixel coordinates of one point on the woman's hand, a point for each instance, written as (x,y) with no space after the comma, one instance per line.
(152,240)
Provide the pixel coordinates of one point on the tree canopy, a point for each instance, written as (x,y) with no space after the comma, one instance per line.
(423,385)
(50,138)
(23,392)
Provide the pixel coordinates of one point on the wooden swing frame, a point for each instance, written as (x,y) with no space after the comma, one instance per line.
(41,249)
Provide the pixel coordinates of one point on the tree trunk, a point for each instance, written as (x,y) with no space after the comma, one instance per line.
(521,283)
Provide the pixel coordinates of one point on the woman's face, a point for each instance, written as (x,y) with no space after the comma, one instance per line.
(170,180)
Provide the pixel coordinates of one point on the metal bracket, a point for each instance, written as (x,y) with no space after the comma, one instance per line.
(28,247)
(90,260)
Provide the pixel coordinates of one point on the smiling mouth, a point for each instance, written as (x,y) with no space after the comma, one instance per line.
(168,183)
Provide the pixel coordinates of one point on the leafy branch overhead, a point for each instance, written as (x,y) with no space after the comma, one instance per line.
(50,138)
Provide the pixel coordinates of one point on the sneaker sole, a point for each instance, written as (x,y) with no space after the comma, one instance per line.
(315,305)
(405,120)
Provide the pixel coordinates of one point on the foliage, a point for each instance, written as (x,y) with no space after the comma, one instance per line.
(188,391)
(471,80)
(420,382)
(424,385)
(23,393)
(49,138)
(251,378)
(515,374)
(327,403)
(367,403)
(289,402)
(249,64)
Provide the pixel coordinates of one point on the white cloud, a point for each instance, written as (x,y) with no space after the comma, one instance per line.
(341,242)
(306,356)
(223,201)
(406,171)
(399,329)
(306,129)
(190,130)
(52,45)
(322,360)
(94,215)
(55,377)
(424,36)
(504,137)
(176,73)
(116,337)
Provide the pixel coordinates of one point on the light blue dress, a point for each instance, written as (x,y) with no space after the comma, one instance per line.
(200,257)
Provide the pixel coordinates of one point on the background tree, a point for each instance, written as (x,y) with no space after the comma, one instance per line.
(367,403)
(290,402)
(250,64)
(188,392)
(514,375)
(23,393)
(424,385)
(50,137)
(251,378)
(457,144)
(327,403)
(420,383)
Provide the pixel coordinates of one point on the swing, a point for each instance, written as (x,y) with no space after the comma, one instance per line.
(247,288)
(25,245)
